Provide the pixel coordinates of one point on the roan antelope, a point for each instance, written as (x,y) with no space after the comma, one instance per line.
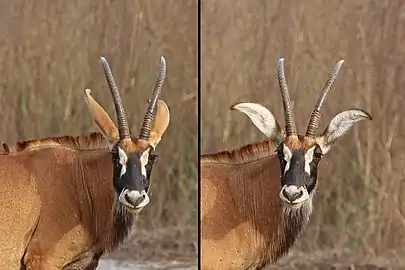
(67,200)
(256,200)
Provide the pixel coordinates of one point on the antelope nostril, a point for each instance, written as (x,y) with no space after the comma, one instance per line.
(134,200)
(292,195)
(296,195)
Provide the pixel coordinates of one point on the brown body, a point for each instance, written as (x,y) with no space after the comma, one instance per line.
(64,202)
(244,230)
(52,209)
(256,200)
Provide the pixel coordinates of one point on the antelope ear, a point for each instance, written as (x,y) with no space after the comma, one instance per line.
(102,120)
(339,126)
(162,120)
(263,119)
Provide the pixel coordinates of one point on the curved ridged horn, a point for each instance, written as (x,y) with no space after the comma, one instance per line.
(123,128)
(290,127)
(315,115)
(149,115)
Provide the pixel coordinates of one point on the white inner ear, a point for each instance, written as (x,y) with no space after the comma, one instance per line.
(144,161)
(261,117)
(122,160)
(309,156)
(341,123)
(287,157)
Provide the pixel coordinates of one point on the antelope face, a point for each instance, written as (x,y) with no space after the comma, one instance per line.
(299,169)
(131,177)
(299,156)
(132,157)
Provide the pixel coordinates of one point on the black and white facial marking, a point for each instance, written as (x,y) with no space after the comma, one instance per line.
(299,169)
(131,178)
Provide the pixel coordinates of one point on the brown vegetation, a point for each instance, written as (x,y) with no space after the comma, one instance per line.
(360,205)
(49,53)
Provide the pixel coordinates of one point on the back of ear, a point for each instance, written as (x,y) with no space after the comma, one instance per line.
(263,119)
(102,120)
(340,125)
(162,120)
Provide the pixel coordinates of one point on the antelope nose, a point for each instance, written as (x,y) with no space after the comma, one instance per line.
(292,193)
(137,199)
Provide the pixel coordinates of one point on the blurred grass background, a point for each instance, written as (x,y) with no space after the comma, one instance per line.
(49,52)
(360,204)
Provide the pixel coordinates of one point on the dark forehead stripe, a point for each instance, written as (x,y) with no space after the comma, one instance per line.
(297,157)
(134,160)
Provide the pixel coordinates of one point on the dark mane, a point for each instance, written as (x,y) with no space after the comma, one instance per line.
(94,141)
(243,154)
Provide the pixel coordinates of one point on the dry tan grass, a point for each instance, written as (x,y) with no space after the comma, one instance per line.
(360,204)
(49,54)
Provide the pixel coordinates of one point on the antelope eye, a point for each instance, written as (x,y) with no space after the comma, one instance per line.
(318,155)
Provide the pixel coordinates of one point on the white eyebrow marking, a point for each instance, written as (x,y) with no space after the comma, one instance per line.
(309,156)
(287,157)
(144,161)
(123,159)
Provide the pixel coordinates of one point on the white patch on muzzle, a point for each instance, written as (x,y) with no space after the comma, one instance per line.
(134,195)
(287,192)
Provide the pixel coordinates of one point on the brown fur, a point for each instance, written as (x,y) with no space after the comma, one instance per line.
(299,142)
(243,224)
(94,141)
(58,205)
(241,155)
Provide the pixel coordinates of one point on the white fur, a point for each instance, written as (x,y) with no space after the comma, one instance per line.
(261,117)
(287,157)
(123,159)
(339,126)
(304,209)
(144,161)
(293,189)
(309,156)
(135,195)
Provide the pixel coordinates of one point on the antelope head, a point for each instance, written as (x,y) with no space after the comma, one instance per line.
(131,155)
(299,155)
